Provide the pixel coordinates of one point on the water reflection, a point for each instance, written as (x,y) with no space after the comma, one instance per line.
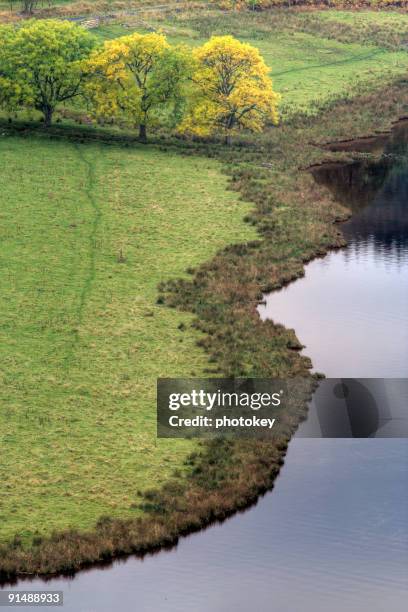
(350,308)
(376,192)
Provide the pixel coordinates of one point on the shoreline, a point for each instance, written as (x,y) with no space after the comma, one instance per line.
(228,477)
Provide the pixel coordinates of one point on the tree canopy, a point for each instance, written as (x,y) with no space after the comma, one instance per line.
(8,86)
(139,76)
(221,87)
(233,90)
(42,64)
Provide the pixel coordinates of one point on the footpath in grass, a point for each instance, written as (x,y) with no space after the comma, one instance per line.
(88,231)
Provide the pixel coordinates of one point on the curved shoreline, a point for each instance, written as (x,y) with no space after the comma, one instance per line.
(238,473)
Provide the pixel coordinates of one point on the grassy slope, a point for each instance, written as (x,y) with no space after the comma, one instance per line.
(82,340)
(361,18)
(88,339)
(309,70)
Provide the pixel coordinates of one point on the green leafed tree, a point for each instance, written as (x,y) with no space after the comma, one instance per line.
(43,64)
(10,90)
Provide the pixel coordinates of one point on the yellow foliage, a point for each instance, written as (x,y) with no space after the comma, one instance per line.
(137,76)
(233,89)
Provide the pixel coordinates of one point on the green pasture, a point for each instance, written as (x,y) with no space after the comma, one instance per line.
(87,233)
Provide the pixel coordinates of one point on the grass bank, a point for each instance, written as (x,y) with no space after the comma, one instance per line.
(89,234)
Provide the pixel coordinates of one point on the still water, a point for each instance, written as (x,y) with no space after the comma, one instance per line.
(350,309)
(333,534)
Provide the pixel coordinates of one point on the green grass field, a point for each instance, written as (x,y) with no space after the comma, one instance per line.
(88,231)
(87,234)
(310,70)
(395,19)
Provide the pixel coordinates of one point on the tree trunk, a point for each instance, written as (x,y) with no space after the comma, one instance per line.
(228,139)
(142,133)
(48,112)
(28,6)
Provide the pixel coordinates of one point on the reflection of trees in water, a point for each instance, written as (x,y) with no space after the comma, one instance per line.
(377,193)
(386,219)
(390,256)
(397,143)
(354,184)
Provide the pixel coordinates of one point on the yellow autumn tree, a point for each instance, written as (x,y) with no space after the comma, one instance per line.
(140,77)
(233,90)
